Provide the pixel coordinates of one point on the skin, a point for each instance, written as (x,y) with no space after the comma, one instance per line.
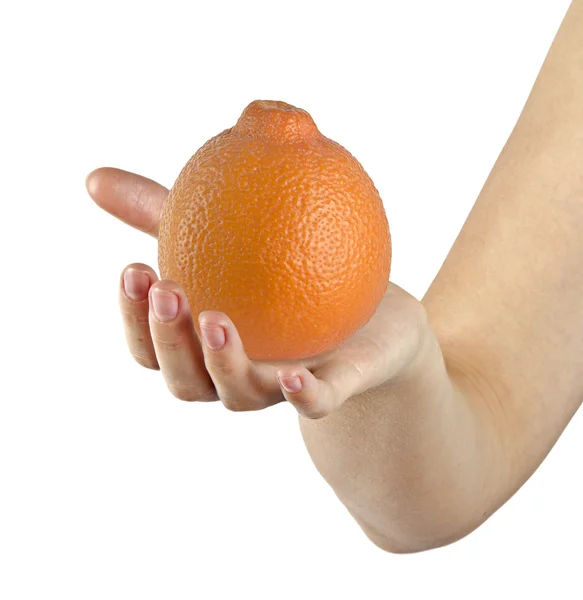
(436,412)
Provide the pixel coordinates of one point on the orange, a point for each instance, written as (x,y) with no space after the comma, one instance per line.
(280,228)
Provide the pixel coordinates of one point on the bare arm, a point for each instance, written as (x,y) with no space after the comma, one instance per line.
(422,460)
(433,414)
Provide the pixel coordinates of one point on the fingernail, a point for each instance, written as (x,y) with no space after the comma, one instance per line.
(212,335)
(136,284)
(165,305)
(291,384)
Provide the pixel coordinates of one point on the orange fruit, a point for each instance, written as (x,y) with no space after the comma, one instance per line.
(280,228)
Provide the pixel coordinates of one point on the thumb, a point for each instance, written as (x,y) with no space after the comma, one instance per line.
(133,199)
(316,395)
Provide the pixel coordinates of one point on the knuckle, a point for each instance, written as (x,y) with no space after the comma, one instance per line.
(235,405)
(147,361)
(190,392)
(247,403)
(139,196)
(224,368)
(168,344)
(316,414)
(134,317)
(309,409)
(302,402)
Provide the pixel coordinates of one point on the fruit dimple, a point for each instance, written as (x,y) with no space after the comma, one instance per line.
(276,122)
(287,235)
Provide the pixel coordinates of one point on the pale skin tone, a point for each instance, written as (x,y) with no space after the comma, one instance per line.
(436,412)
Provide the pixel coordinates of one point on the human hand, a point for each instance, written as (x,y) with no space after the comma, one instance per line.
(161,334)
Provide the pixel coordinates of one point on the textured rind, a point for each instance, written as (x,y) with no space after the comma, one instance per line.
(288,237)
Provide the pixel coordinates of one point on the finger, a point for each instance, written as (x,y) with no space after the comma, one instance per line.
(176,344)
(317,395)
(131,198)
(240,384)
(135,282)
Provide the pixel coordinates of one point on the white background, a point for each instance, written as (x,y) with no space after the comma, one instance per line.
(111,488)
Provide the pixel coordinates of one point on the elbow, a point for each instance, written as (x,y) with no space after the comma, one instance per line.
(412,546)
(418,540)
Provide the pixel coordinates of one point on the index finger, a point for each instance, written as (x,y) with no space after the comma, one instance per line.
(133,199)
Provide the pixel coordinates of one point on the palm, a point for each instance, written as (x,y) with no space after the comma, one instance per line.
(376,353)
(389,338)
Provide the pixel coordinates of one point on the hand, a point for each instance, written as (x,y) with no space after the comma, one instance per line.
(161,335)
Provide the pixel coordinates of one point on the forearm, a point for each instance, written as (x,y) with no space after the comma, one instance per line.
(414,461)
(424,461)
